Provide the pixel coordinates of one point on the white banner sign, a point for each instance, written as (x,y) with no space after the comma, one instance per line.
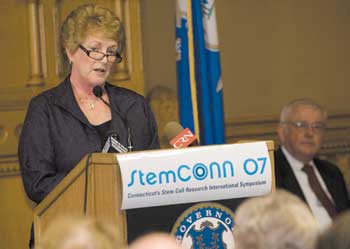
(204,173)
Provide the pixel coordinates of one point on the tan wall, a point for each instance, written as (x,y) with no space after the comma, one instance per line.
(271,52)
(158,41)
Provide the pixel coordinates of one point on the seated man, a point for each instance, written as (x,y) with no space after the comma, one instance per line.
(319,183)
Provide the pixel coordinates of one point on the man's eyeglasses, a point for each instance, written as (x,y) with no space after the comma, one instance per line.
(317,127)
(96,55)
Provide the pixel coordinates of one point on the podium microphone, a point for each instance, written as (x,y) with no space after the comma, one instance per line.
(178,136)
(112,140)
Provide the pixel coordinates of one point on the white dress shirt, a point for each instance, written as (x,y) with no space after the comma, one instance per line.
(319,212)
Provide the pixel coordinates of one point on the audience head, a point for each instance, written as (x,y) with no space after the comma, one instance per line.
(80,233)
(157,240)
(279,220)
(336,236)
(301,128)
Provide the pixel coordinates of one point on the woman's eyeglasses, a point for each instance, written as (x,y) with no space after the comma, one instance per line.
(96,55)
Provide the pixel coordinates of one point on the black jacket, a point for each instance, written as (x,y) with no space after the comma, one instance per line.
(56,135)
(330,174)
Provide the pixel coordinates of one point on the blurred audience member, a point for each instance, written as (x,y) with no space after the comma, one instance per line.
(317,182)
(279,220)
(80,233)
(156,240)
(337,236)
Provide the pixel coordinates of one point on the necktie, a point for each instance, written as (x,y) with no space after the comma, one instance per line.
(319,192)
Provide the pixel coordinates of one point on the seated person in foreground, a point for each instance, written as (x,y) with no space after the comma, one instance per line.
(80,232)
(279,220)
(155,240)
(337,235)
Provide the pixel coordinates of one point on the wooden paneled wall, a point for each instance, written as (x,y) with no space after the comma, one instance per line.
(31,61)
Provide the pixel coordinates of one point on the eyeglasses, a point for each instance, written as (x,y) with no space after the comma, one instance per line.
(317,127)
(96,55)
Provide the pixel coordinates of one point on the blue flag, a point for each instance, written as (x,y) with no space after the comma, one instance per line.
(208,88)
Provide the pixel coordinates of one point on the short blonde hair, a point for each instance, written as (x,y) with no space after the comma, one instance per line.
(77,232)
(279,220)
(89,19)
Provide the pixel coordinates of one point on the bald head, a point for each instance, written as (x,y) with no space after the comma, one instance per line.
(155,241)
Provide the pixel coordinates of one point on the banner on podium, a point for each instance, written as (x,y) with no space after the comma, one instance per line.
(196,174)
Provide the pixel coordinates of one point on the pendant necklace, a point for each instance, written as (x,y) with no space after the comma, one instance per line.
(89,103)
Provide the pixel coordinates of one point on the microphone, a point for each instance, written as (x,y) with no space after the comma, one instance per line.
(98,91)
(112,139)
(178,136)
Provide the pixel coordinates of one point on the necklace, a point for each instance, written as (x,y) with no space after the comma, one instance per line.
(90,103)
(88,100)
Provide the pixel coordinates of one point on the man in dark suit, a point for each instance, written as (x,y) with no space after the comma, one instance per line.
(301,131)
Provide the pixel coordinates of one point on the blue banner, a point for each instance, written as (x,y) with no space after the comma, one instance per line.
(207,70)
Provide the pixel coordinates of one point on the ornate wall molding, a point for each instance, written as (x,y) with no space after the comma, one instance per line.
(14,99)
(123,69)
(9,165)
(36,73)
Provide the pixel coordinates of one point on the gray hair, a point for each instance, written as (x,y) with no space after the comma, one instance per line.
(292,105)
(279,220)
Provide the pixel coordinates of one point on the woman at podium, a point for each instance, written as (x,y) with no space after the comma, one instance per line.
(84,113)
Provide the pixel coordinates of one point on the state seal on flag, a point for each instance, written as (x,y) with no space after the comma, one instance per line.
(205,225)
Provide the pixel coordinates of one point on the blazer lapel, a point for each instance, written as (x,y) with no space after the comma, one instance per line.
(64,98)
(285,177)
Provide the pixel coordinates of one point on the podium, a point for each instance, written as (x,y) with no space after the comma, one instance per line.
(94,188)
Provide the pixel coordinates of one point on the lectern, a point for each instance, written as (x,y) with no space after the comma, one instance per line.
(94,188)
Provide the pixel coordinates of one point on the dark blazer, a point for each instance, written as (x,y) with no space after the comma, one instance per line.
(330,173)
(56,135)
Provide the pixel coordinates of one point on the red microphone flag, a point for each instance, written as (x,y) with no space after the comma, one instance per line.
(183,139)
